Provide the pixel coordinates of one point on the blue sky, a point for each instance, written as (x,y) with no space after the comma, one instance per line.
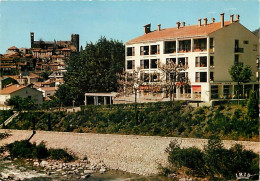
(121,20)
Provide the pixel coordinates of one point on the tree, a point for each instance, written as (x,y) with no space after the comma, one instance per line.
(20,103)
(240,74)
(173,76)
(252,106)
(93,70)
(129,83)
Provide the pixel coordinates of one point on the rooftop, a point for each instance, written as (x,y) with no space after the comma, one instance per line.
(11,89)
(182,32)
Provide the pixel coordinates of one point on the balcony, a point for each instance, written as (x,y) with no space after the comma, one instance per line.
(239,50)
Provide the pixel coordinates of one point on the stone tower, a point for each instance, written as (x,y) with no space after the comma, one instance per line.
(32,39)
(75,41)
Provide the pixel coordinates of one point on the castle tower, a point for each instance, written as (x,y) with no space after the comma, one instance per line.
(75,41)
(32,39)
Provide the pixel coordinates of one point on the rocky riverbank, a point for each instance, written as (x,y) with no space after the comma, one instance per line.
(129,153)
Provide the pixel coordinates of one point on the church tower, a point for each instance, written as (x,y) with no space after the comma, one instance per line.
(32,39)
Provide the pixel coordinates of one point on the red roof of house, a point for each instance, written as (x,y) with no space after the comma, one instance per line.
(11,89)
(186,31)
(13,48)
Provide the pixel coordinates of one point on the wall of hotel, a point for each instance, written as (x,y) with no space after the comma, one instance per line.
(224,50)
(191,62)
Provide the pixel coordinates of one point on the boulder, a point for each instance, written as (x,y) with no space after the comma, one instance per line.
(88,171)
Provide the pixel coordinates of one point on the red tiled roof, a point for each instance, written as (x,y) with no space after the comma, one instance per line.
(11,89)
(46,89)
(13,48)
(187,31)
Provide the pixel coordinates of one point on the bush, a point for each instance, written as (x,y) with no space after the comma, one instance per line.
(214,161)
(252,106)
(60,154)
(40,151)
(21,149)
(25,149)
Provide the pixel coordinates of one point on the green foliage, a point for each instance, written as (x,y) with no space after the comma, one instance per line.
(45,75)
(162,119)
(239,73)
(20,103)
(25,149)
(4,115)
(252,106)
(60,154)
(213,161)
(21,149)
(92,70)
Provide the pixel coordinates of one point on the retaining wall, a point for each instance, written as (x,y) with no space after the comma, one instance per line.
(131,153)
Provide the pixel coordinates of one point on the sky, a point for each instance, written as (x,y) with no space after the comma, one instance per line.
(122,20)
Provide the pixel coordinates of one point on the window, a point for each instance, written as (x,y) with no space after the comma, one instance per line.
(254,47)
(144,64)
(211,61)
(211,76)
(214,92)
(200,44)
(154,77)
(144,50)
(131,51)
(170,47)
(236,44)
(201,77)
(184,45)
(257,63)
(181,61)
(197,77)
(155,49)
(170,61)
(236,59)
(154,63)
(130,64)
(211,43)
(201,62)
(227,91)
(245,41)
(145,77)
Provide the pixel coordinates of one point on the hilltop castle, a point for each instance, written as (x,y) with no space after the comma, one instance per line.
(73,44)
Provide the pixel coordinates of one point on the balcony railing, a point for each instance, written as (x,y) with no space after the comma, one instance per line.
(239,50)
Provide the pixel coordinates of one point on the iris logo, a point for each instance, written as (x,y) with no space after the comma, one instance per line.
(243,176)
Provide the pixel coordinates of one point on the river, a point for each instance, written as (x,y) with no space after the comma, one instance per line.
(25,171)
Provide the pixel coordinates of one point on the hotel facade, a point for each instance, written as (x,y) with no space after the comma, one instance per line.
(207,51)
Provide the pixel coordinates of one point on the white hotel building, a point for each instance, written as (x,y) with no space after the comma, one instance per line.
(207,49)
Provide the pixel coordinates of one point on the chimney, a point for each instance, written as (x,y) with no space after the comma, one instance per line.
(231,18)
(199,20)
(212,20)
(159,27)
(237,17)
(222,20)
(183,24)
(178,24)
(205,21)
(147,28)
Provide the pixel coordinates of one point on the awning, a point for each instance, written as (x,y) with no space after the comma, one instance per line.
(196,88)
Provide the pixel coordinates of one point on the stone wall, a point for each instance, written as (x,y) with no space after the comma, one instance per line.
(131,153)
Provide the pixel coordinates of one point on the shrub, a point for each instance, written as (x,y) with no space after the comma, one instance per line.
(60,154)
(214,161)
(21,149)
(25,149)
(252,106)
(40,151)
